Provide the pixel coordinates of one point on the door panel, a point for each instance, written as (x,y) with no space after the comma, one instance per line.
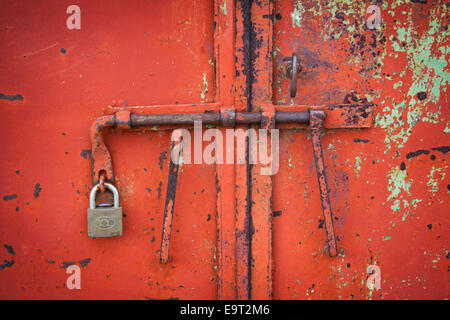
(126,52)
(390,200)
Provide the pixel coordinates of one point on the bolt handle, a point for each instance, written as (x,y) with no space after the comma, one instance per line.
(294,68)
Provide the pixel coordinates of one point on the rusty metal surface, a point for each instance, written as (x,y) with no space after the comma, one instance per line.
(390,201)
(236,234)
(169,207)
(261,186)
(316,124)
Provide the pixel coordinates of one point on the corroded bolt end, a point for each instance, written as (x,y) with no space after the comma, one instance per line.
(123,119)
(227,118)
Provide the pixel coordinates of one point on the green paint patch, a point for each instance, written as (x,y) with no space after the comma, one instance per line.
(357,165)
(387,238)
(428,66)
(447,128)
(407,213)
(223,8)
(433,117)
(297,14)
(398,85)
(204,88)
(435,175)
(396,206)
(398,182)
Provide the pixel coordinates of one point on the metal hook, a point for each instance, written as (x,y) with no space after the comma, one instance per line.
(293,69)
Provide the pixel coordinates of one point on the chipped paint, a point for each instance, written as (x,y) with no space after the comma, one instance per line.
(414,203)
(358,161)
(447,128)
(429,73)
(434,177)
(223,7)
(398,183)
(204,88)
(296,15)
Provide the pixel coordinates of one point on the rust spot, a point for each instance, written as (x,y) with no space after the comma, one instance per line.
(6,264)
(416,153)
(443,149)
(85,153)
(277,213)
(82,263)
(11,97)
(37,190)
(162,157)
(9,197)
(10,249)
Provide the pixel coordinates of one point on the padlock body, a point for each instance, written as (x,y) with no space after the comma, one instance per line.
(104,222)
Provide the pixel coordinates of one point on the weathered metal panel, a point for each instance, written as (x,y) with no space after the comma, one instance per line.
(389,184)
(126,53)
(234,232)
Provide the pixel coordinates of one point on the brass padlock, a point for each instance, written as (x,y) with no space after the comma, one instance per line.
(104,221)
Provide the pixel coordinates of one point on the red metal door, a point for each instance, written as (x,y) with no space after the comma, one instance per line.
(236,233)
(389,186)
(55,82)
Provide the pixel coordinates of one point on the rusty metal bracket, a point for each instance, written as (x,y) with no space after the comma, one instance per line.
(316,121)
(169,205)
(101,158)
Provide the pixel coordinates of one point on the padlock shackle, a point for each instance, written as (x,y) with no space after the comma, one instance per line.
(108,186)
